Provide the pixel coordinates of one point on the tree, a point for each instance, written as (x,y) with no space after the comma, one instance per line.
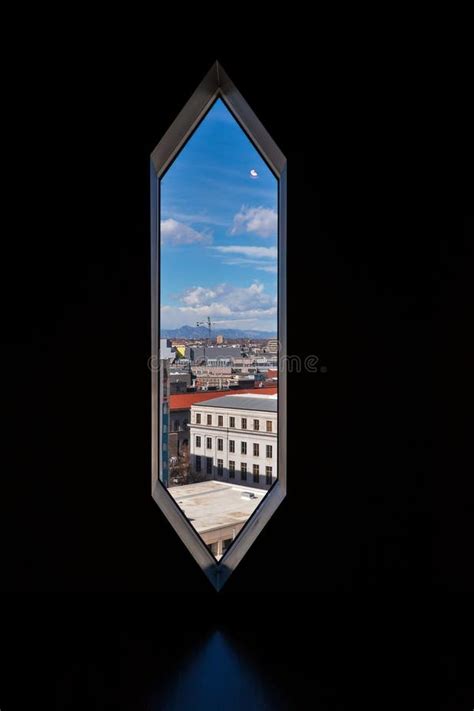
(180,470)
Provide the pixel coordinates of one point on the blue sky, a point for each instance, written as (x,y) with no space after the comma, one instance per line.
(219,231)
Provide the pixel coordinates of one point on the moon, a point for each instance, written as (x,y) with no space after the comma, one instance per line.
(254,173)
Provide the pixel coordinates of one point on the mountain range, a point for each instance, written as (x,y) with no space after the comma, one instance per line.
(202,332)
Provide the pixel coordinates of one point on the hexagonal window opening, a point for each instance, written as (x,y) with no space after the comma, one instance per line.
(218,266)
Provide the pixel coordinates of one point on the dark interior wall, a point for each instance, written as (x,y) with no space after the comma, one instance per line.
(369,291)
(358,253)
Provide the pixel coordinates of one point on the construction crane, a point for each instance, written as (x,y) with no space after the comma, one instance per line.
(207,323)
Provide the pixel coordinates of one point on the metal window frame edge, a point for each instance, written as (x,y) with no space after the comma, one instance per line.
(216,84)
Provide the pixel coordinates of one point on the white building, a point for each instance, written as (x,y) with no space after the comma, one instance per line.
(234,439)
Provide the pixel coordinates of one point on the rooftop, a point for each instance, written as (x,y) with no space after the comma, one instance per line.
(267,403)
(183,401)
(211,505)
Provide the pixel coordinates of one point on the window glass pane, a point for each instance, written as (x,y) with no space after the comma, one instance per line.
(218,319)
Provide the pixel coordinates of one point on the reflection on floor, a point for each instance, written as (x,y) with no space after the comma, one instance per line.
(217,510)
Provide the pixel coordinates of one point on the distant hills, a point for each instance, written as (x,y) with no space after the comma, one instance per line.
(202,332)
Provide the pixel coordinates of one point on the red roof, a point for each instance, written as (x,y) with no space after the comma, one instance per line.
(183,401)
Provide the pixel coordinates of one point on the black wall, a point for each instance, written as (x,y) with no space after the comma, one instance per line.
(370,292)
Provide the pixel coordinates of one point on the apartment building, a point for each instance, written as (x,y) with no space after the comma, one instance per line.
(234,439)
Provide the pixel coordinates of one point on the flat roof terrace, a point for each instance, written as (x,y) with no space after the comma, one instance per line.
(212,505)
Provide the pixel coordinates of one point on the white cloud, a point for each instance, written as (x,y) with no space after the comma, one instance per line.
(262,221)
(269,268)
(223,303)
(177,233)
(256,252)
(197,218)
(256,263)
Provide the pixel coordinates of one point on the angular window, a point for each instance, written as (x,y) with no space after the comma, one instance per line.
(256,450)
(218,227)
(269,452)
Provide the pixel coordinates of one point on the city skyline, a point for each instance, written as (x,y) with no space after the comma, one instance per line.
(219,231)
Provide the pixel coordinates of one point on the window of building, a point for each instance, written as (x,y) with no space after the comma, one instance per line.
(269,451)
(188,156)
(256,450)
(232,445)
(268,476)
(269,425)
(256,473)
(226,544)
